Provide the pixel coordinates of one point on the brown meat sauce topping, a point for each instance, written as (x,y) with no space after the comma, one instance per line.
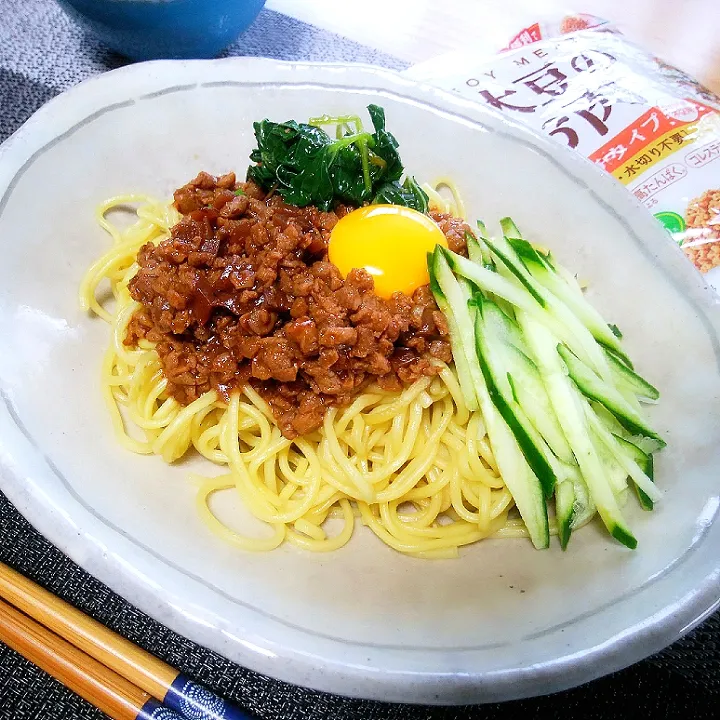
(243,292)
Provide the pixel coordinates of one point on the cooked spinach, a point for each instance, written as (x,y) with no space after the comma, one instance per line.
(409,194)
(306,166)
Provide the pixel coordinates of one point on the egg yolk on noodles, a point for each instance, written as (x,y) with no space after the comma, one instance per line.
(390,242)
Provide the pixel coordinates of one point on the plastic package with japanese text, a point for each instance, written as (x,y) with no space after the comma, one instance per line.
(656,130)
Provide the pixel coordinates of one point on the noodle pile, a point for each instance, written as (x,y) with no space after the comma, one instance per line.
(415,466)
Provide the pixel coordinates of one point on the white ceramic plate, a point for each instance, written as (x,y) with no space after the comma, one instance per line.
(504,620)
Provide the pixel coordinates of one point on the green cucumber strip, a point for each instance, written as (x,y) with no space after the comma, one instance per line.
(631,399)
(453,304)
(561,469)
(476,251)
(608,419)
(519,478)
(549,279)
(512,292)
(593,387)
(467,289)
(622,496)
(570,279)
(645,502)
(564,511)
(647,445)
(564,285)
(509,228)
(489,281)
(576,335)
(629,465)
(624,536)
(531,443)
(625,360)
(528,254)
(627,378)
(584,508)
(609,502)
(530,393)
(503,322)
(645,462)
(522,483)
(568,404)
(632,451)
(481,228)
(481,234)
(461,365)
(503,250)
(616,475)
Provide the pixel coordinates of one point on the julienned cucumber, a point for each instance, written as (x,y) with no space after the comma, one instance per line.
(475,250)
(530,393)
(490,341)
(452,297)
(449,297)
(608,395)
(558,392)
(627,462)
(628,379)
(546,275)
(645,462)
(568,404)
(564,511)
(519,478)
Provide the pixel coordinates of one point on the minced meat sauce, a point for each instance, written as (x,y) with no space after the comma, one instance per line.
(243,292)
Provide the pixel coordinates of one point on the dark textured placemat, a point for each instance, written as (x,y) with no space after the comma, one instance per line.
(681,682)
(42,53)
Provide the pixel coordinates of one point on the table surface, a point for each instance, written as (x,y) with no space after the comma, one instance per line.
(42,52)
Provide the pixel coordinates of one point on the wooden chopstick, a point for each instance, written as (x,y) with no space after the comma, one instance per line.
(112,650)
(105,689)
(132,664)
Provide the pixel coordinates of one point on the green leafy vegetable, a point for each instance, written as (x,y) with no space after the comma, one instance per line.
(409,194)
(306,166)
(385,144)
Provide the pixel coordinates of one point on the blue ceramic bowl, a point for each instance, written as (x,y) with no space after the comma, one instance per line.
(152,29)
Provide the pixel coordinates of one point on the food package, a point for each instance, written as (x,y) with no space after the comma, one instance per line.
(580,81)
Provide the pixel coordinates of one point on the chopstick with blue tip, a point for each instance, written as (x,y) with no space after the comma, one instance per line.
(169,695)
(91,680)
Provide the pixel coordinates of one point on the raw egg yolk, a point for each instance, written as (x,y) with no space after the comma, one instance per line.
(391,242)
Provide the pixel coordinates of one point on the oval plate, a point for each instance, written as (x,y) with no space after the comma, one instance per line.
(501,622)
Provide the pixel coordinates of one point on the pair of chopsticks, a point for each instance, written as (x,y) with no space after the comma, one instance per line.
(122,680)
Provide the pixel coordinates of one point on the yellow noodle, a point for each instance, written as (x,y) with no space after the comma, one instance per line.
(218,527)
(454,206)
(414,466)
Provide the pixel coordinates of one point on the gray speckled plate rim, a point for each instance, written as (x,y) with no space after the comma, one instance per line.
(363,680)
